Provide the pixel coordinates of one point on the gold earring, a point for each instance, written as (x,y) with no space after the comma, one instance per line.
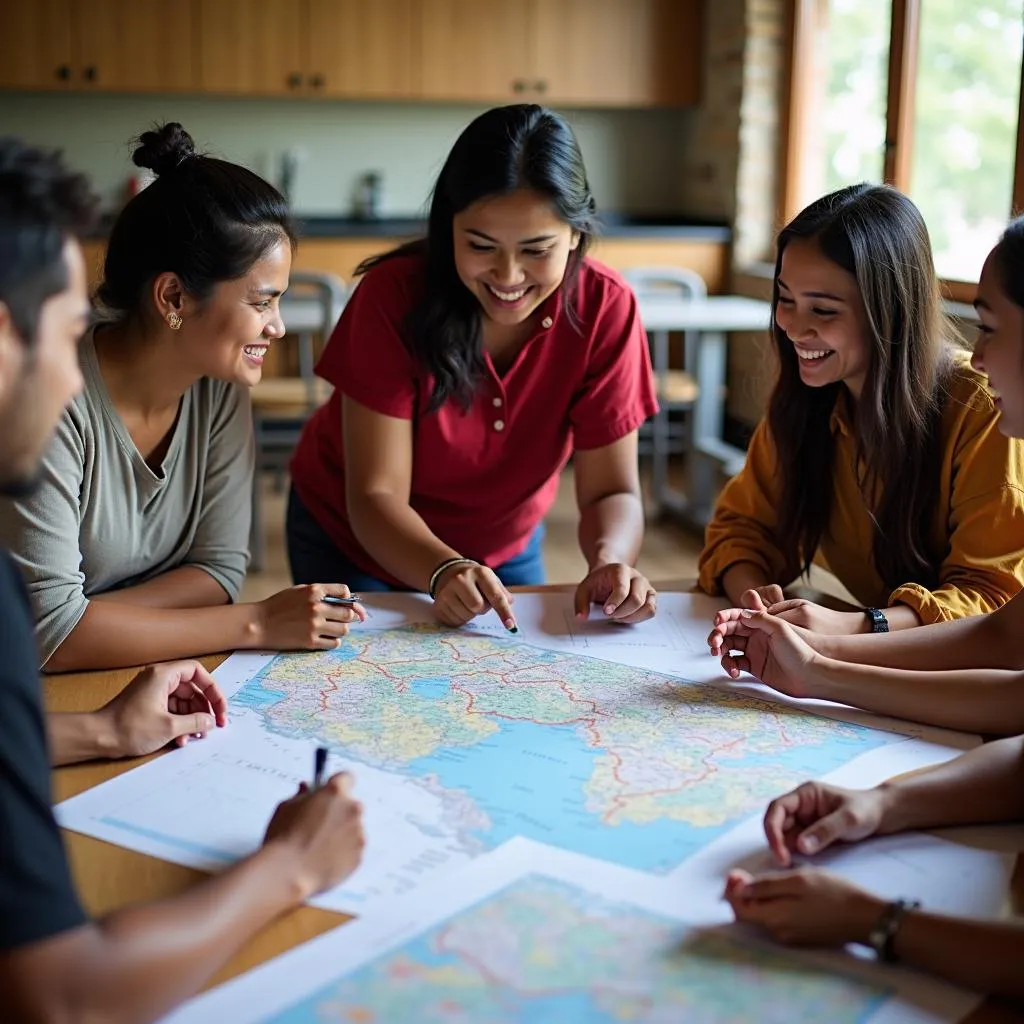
(174,321)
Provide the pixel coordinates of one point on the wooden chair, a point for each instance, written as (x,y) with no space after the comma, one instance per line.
(281,405)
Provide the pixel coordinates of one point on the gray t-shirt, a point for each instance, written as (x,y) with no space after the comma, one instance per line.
(101,519)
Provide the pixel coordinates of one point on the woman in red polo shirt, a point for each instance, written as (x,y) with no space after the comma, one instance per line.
(468,367)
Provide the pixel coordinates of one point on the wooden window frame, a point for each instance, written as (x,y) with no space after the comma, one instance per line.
(899,133)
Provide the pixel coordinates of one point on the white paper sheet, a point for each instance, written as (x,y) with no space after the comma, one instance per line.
(460,740)
(523,935)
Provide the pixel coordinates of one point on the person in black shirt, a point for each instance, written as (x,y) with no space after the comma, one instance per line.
(137,963)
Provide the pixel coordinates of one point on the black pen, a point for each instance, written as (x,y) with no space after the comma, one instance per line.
(343,601)
(319,762)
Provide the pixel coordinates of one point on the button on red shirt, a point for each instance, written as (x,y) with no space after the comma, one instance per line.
(483,478)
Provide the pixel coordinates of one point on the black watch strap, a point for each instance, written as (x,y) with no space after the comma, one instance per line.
(879,623)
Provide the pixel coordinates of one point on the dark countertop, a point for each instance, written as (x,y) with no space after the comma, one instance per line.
(613,225)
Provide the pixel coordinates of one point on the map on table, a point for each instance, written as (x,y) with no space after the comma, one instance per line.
(522,940)
(546,951)
(461,741)
(610,761)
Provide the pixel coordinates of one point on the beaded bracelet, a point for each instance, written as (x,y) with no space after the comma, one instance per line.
(443,567)
(883,934)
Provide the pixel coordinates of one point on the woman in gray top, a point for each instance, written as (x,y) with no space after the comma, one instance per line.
(135,543)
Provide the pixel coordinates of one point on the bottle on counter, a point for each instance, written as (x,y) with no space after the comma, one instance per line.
(367,197)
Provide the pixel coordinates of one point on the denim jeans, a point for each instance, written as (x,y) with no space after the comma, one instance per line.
(314,558)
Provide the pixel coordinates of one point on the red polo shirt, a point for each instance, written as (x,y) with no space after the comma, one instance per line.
(483,478)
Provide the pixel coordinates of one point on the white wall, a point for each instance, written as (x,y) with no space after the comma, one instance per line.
(633,158)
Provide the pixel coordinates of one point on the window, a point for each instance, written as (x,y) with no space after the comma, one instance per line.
(925,94)
(965,127)
(855,46)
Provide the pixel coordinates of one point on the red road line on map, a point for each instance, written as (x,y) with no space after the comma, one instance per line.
(324,693)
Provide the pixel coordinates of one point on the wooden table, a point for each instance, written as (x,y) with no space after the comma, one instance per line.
(109,876)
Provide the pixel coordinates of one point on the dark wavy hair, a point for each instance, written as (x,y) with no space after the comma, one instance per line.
(876,234)
(203,219)
(1008,258)
(522,146)
(42,203)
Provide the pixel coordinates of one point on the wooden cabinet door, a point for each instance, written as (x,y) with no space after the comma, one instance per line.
(583,50)
(362,50)
(474,50)
(616,52)
(253,47)
(35,44)
(133,46)
(669,53)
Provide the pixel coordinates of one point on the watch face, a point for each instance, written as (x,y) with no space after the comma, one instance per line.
(879,623)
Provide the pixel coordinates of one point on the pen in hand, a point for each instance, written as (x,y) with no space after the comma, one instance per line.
(319,763)
(343,601)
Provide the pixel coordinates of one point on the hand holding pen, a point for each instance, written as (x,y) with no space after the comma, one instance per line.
(301,618)
(321,830)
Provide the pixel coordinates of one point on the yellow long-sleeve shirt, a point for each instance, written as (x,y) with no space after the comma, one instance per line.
(977,533)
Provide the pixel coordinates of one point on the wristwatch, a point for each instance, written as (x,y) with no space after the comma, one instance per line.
(879,623)
(881,937)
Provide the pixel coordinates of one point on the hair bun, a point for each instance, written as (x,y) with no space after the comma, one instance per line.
(164,148)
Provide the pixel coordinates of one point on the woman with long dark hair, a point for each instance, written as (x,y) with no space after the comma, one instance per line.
(468,367)
(964,674)
(134,544)
(880,458)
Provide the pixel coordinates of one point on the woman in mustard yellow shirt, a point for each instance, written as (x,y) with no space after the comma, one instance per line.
(880,458)
(965,674)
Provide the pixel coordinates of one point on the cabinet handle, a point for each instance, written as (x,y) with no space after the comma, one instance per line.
(294,81)
(519,86)
(90,74)
(317,81)
(541,85)
(63,72)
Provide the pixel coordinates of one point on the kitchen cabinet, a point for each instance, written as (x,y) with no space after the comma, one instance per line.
(337,48)
(133,46)
(96,46)
(250,47)
(710,258)
(602,53)
(361,50)
(474,50)
(341,255)
(571,52)
(616,52)
(35,45)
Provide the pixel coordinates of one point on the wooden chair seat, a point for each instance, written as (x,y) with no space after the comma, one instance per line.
(676,387)
(289,396)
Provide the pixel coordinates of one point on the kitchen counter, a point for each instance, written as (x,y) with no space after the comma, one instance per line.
(613,225)
(337,245)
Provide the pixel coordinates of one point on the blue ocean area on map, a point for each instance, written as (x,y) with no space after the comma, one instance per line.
(558,748)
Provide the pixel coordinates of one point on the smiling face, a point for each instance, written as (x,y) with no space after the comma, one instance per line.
(511,252)
(821,312)
(999,350)
(226,337)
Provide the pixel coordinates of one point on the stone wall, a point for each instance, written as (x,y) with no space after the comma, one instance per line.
(733,160)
